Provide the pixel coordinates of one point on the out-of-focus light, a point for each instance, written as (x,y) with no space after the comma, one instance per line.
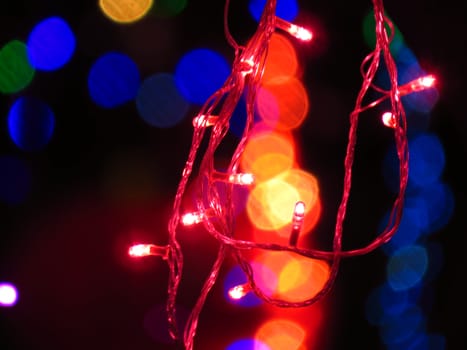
(406,268)
(281,60)
(15,180)
(428,341)
(8,295)
(280,334)
(237,121)
(369,34)
(426,163)
(51,44)
(248,344)
(283,103)
(285,9)
(409,230)
(302,278)
(290,277)
(159,102)
(401,327)
(113,80)
(427,159)
(16,72)
(168,8)
(267,155)
(271,202)
(31,123)
(383,303)
(125,11)
(439,204)
(200,73)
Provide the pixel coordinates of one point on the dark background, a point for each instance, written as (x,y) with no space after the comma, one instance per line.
(107,178)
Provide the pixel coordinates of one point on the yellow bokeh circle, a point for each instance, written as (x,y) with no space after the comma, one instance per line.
(125,11)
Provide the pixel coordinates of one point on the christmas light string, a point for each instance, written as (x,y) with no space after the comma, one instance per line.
(216,212)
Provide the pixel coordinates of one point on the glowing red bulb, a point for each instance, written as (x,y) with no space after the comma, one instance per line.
(418,84)
(389,120)
(294,30)
(189,219)
(203,121)
(300,33)
(297,222)
(238,292)
(142,250)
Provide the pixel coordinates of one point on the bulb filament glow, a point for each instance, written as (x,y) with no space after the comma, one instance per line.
(142,250)
(294,30)
(238,292)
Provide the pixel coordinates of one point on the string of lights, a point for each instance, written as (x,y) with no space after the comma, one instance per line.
(215,211)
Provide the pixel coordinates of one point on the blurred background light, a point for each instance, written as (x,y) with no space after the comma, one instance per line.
(285,9)
(271,203)
(369,35)
(439,202)
(268,154)
(31,123)
(406,267)
(400,327)
(248,344)
(16,72)
(280,334)
(125,11)
(408,232)
(113,80)
(51,44)
(282,61)
(426,163)
(425,341)
(168,8)
(383,302)
(159,102)
(199,73)
(8,294)
(15,180)
(427,159)
(296,278)
(283,103)
(237,121)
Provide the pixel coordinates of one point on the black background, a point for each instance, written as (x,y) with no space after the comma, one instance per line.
(65,246)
